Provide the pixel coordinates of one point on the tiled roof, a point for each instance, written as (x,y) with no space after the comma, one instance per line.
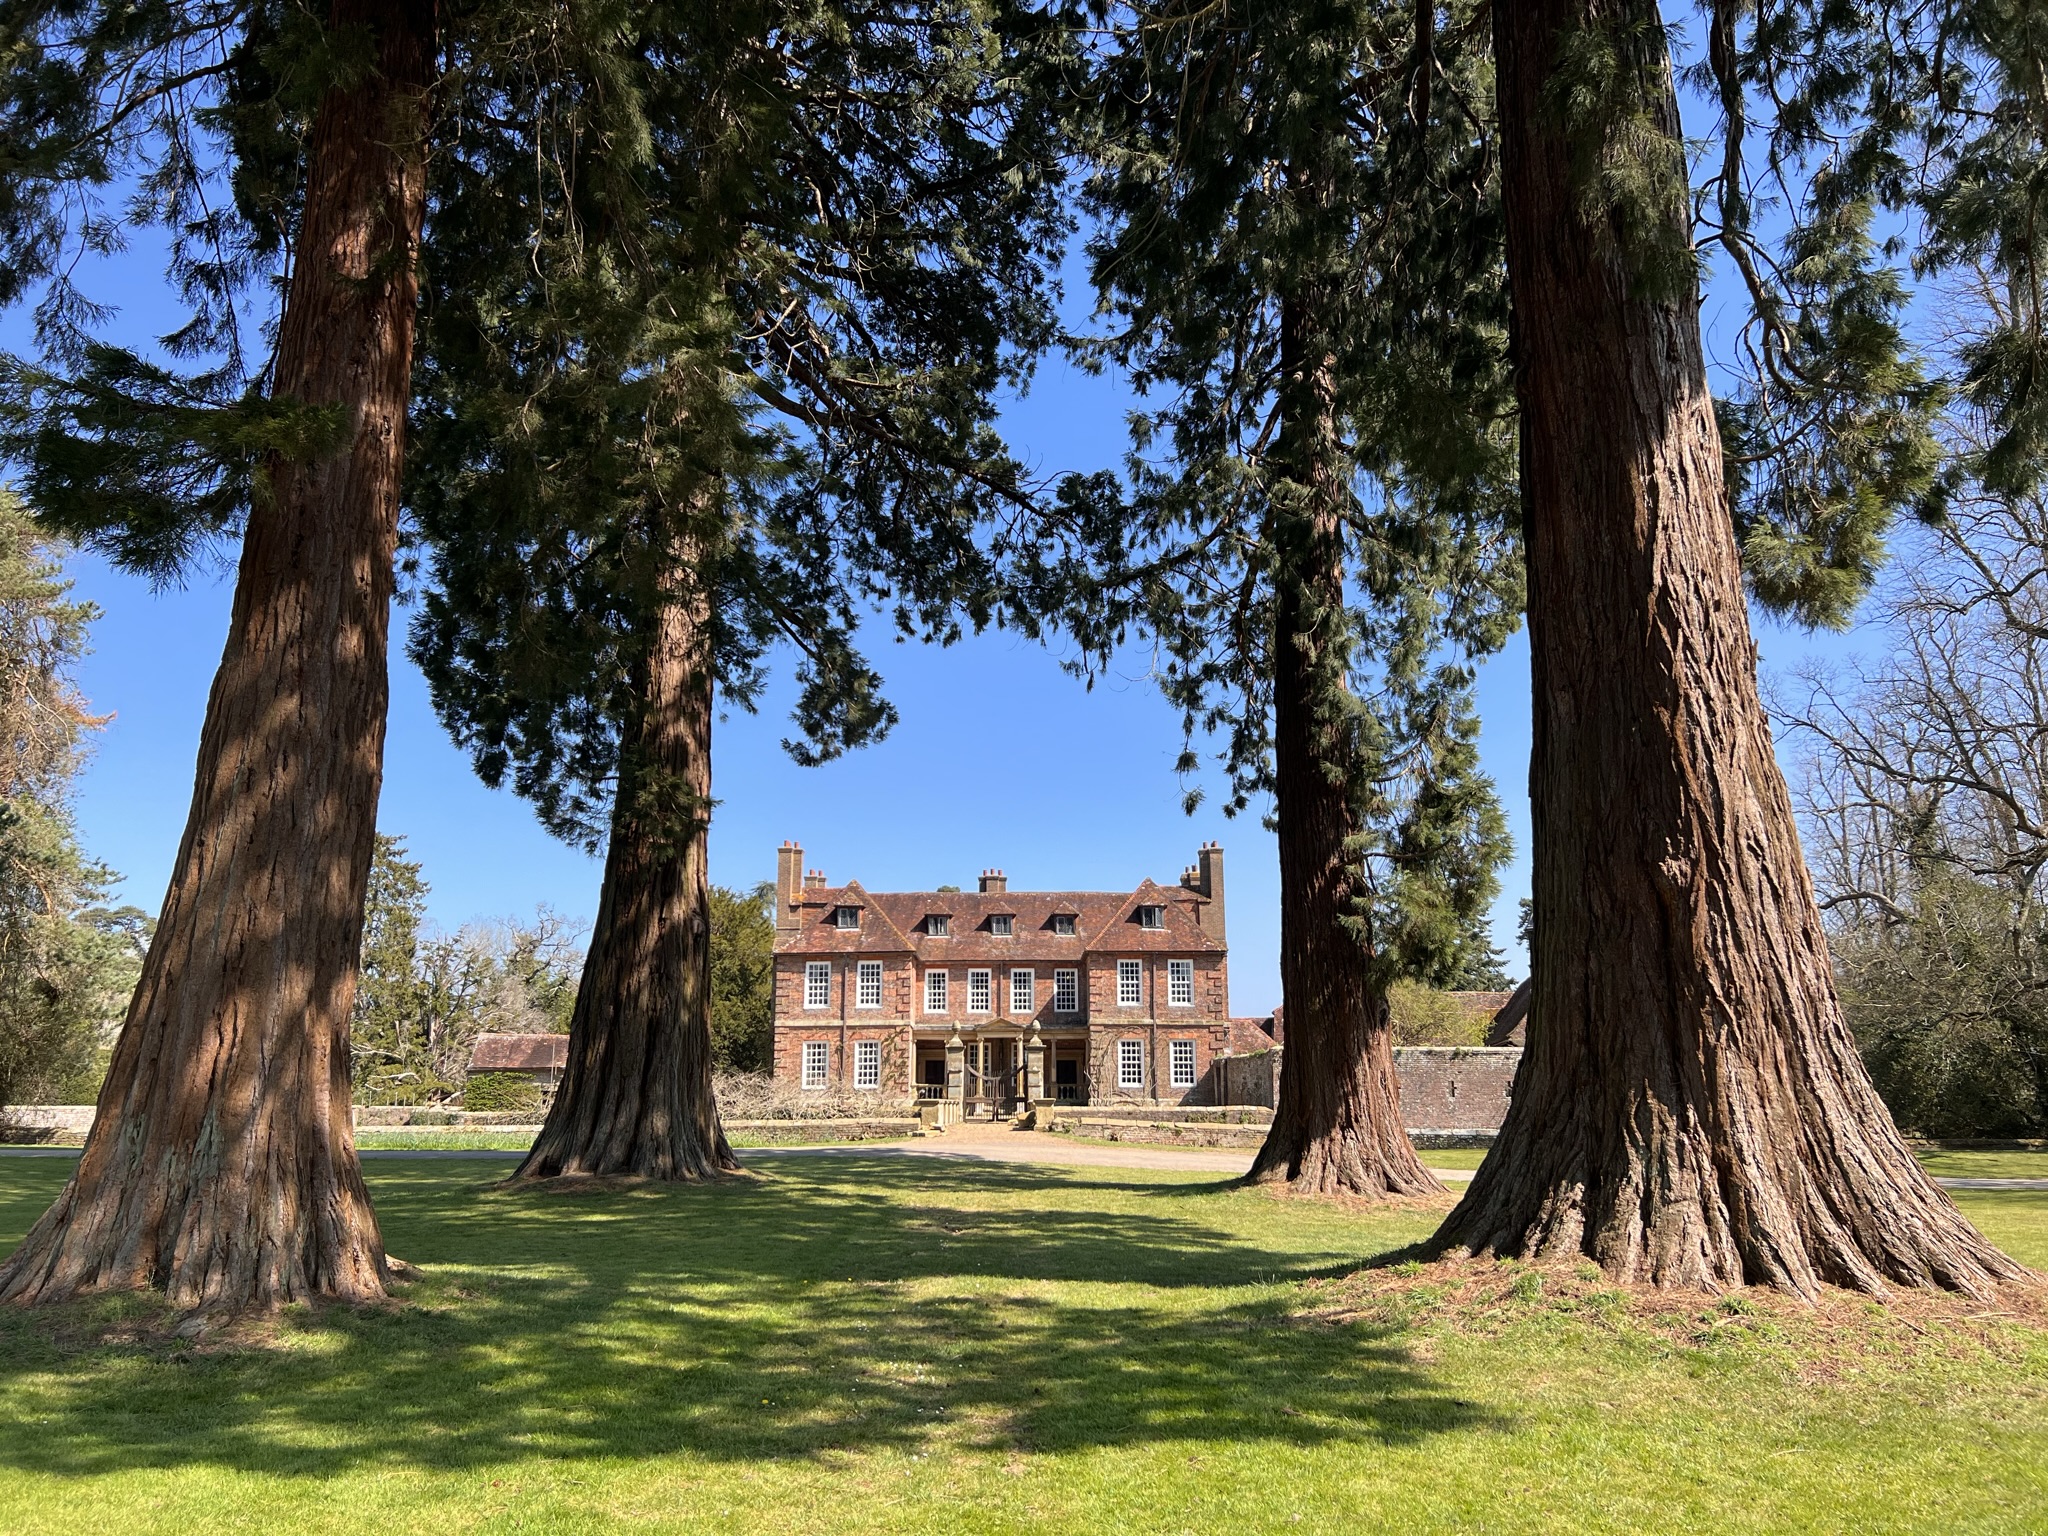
(1511,1023)
(894,921)
(519,1053)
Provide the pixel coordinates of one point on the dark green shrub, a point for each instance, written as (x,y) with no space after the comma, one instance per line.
(497,1092)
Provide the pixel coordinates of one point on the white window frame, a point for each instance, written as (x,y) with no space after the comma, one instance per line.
(817,984)
(1130,1063)
(817,1063)
(1151,915)
(1066,991)
(867,1065)
(1003,925)
(1023,991)
(868,991)
(937,991)
(1180,983)
(981,983)
(1130,983)
(1180,1058)
(1064,925)
(938,925)
(846,917)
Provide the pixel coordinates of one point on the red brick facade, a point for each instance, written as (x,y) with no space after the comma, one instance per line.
(1060,977)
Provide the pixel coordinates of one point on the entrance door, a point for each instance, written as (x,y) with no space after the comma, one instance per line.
(1002,1074)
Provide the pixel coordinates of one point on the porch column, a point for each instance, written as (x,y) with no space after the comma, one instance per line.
(1034,1067)
(956,1068)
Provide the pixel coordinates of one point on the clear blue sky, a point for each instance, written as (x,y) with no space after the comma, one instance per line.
(1001,759)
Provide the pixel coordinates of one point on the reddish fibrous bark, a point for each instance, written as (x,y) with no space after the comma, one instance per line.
(636,1098)
(1691,1110)
(221,1169)
(1337,1128)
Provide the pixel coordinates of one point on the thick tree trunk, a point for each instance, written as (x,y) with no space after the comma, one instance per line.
(1691,1110)
(221,1169)
(1337,1128)
(636,1098)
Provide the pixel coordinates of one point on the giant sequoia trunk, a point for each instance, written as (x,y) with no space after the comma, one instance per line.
(1337,1128)
(636,1097)
(221,1169)
(1691,1110)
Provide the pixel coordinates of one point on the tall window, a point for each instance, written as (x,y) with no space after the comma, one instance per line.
(1181,1062)
(1130,1063)
(818,984)
(1180,983)
(1066,991)
(817,1057)
(867,1063)
(980,994)
(1130,983)
(1023,992)
(935,991)
(1002,925)
(870,993)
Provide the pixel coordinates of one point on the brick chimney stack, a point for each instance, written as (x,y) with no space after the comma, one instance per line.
(1209,881)
(993,882)
(789,882)
(814,880)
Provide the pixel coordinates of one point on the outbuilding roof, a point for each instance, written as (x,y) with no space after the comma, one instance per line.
(519,1053)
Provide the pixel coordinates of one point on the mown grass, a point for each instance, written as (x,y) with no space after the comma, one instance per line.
(887,1345)
(1974,1164)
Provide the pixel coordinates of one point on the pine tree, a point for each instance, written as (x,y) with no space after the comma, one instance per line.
(709,367)
(1691,1110)
(1296,254)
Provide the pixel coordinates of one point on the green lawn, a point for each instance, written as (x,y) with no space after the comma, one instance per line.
(885,1345)
(1985,1165)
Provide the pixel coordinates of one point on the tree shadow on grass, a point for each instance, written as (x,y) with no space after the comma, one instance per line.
(874,1305)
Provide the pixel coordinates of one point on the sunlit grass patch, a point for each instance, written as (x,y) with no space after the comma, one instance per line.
(885,1344)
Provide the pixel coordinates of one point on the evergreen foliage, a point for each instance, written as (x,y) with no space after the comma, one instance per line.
(500,1093)
(67,962)
(1326,168)
(743,978)
(733,323)
(1835,120)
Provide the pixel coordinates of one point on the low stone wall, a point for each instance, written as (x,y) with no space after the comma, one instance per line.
(1178,1114)
(1446,1090)
(47,1117)
(1455,1088)
(1182,1133)
(1252,1079)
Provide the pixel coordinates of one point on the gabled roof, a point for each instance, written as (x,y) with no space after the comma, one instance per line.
(892,922)
(519,1053)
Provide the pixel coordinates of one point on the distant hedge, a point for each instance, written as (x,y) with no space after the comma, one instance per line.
(499,1091)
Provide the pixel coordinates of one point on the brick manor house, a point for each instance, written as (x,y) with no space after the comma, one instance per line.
(997,998)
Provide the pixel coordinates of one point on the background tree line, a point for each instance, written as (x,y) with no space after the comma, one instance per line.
(426,994)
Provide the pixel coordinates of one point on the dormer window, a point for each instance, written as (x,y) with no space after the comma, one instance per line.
(846,917)
(1063,925)
(938,925)
(1002,925)
(1151,917)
